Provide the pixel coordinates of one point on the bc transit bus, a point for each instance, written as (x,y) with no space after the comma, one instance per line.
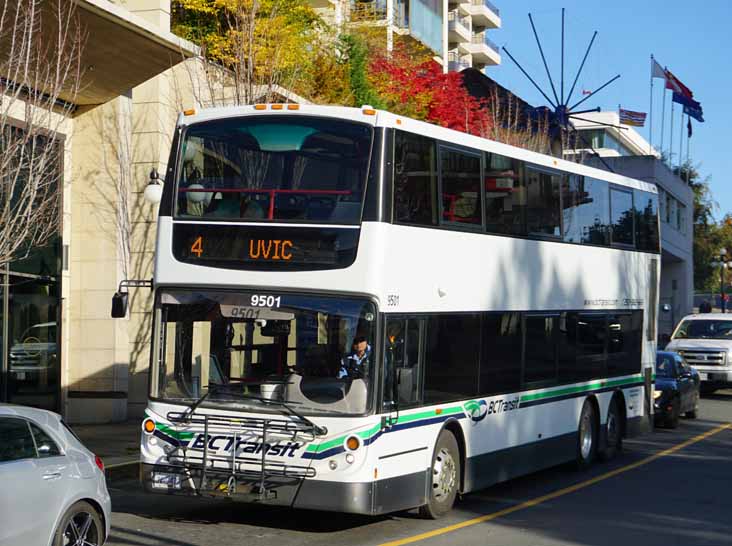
(360,312)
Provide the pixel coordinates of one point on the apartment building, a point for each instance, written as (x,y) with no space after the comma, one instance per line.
(457,31)
(625,151)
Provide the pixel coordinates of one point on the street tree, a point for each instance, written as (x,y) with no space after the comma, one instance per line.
(40,65)
(251,49)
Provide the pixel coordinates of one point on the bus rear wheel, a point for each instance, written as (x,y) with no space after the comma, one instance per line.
(444,477)
(586,436)
(614,434)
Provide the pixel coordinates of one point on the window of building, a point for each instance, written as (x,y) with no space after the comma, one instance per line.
(646,221)
(451,357)
(621,216)
(505,195)
(586,211)
(500,365)
(543,203)
(671,211)
(540,349)
(415,179)
(460,177)
(681,217)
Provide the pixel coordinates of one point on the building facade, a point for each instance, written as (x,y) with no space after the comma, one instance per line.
(457,31)
(626,152)
(59,347)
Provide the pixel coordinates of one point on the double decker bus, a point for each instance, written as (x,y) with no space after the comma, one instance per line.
(360,312)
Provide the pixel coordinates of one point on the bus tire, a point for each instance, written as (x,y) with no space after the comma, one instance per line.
(586,436)
(614,431)
(444,476)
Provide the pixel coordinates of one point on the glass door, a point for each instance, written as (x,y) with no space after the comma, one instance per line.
(33,343)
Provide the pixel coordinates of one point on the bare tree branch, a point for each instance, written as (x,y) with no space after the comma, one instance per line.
(40,60)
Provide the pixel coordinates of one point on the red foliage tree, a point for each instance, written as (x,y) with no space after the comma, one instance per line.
(421,90)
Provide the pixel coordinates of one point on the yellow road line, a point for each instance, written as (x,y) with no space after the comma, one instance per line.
(559,493)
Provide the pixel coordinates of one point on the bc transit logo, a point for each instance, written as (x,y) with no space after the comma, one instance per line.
(476,410)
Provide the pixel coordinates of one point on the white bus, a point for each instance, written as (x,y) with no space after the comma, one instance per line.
(360,312)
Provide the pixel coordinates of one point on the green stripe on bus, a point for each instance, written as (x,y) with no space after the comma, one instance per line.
(366,434)
(583,388)
(178,435)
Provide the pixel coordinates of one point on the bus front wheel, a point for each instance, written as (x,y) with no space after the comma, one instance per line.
(444,477)
(586,436)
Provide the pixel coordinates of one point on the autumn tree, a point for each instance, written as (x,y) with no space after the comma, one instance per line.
(251,48)
(420,89)
(41,70)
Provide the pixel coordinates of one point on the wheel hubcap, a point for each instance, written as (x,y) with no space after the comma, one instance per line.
(586,436)
(81,531)
(444,475)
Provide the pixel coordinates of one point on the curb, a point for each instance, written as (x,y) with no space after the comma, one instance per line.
(122,471)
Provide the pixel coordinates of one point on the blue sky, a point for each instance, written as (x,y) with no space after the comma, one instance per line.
(690,39)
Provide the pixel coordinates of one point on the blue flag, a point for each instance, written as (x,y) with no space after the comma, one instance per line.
(691,107)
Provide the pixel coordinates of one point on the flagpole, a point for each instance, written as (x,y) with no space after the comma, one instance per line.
(671,137)
(650,113)
(681,139)
(663,115)
(688,154)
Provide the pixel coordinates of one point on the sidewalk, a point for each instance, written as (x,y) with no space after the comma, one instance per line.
(118,445)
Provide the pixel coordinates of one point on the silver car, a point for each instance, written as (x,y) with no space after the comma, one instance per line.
(52,489)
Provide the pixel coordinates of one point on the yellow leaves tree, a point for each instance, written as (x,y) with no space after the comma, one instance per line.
(262,46)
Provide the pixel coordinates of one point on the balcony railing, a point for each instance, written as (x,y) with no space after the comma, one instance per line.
(487,4)
(482,38)
(454,19)
(375,11)
(456,62)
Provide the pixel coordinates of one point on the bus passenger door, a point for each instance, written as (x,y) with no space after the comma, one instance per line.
(402,378)
(404,452)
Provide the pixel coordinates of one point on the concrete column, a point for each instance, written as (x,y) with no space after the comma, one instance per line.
(445,62)
(98,345)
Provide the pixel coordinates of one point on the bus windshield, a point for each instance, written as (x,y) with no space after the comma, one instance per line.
(274,168)
(256,350)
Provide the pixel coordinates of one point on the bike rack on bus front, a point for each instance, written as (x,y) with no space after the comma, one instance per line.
(194,458)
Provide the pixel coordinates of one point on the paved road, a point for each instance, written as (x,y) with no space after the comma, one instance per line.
(679,498)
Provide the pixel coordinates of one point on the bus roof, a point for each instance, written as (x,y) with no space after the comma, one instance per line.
(382,118)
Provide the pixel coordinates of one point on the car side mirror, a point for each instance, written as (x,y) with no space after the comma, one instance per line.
(119,304)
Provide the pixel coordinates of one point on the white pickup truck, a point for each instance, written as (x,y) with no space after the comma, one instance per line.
(705,342)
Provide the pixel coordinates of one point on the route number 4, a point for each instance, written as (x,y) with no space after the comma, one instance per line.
(197,247)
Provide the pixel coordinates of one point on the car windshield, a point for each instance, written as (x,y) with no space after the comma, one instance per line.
(665,366)
(274,168)
(704,329)
(253,350)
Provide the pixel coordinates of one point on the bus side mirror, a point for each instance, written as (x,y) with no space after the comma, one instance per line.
(119,304)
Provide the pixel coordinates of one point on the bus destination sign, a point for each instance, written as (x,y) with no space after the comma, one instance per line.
(264,247)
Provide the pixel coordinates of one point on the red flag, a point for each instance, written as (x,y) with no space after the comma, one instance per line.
(673,83)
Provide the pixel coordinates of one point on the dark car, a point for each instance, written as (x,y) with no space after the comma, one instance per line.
(676,390)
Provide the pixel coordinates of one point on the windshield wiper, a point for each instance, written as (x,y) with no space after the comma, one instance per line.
(188,414)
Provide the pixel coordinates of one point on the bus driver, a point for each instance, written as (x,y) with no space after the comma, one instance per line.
(355,364)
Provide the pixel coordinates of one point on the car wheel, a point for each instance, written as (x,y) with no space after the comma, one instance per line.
(614,427)
(672,420)
(586,436)
(80,525)
(445,477)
